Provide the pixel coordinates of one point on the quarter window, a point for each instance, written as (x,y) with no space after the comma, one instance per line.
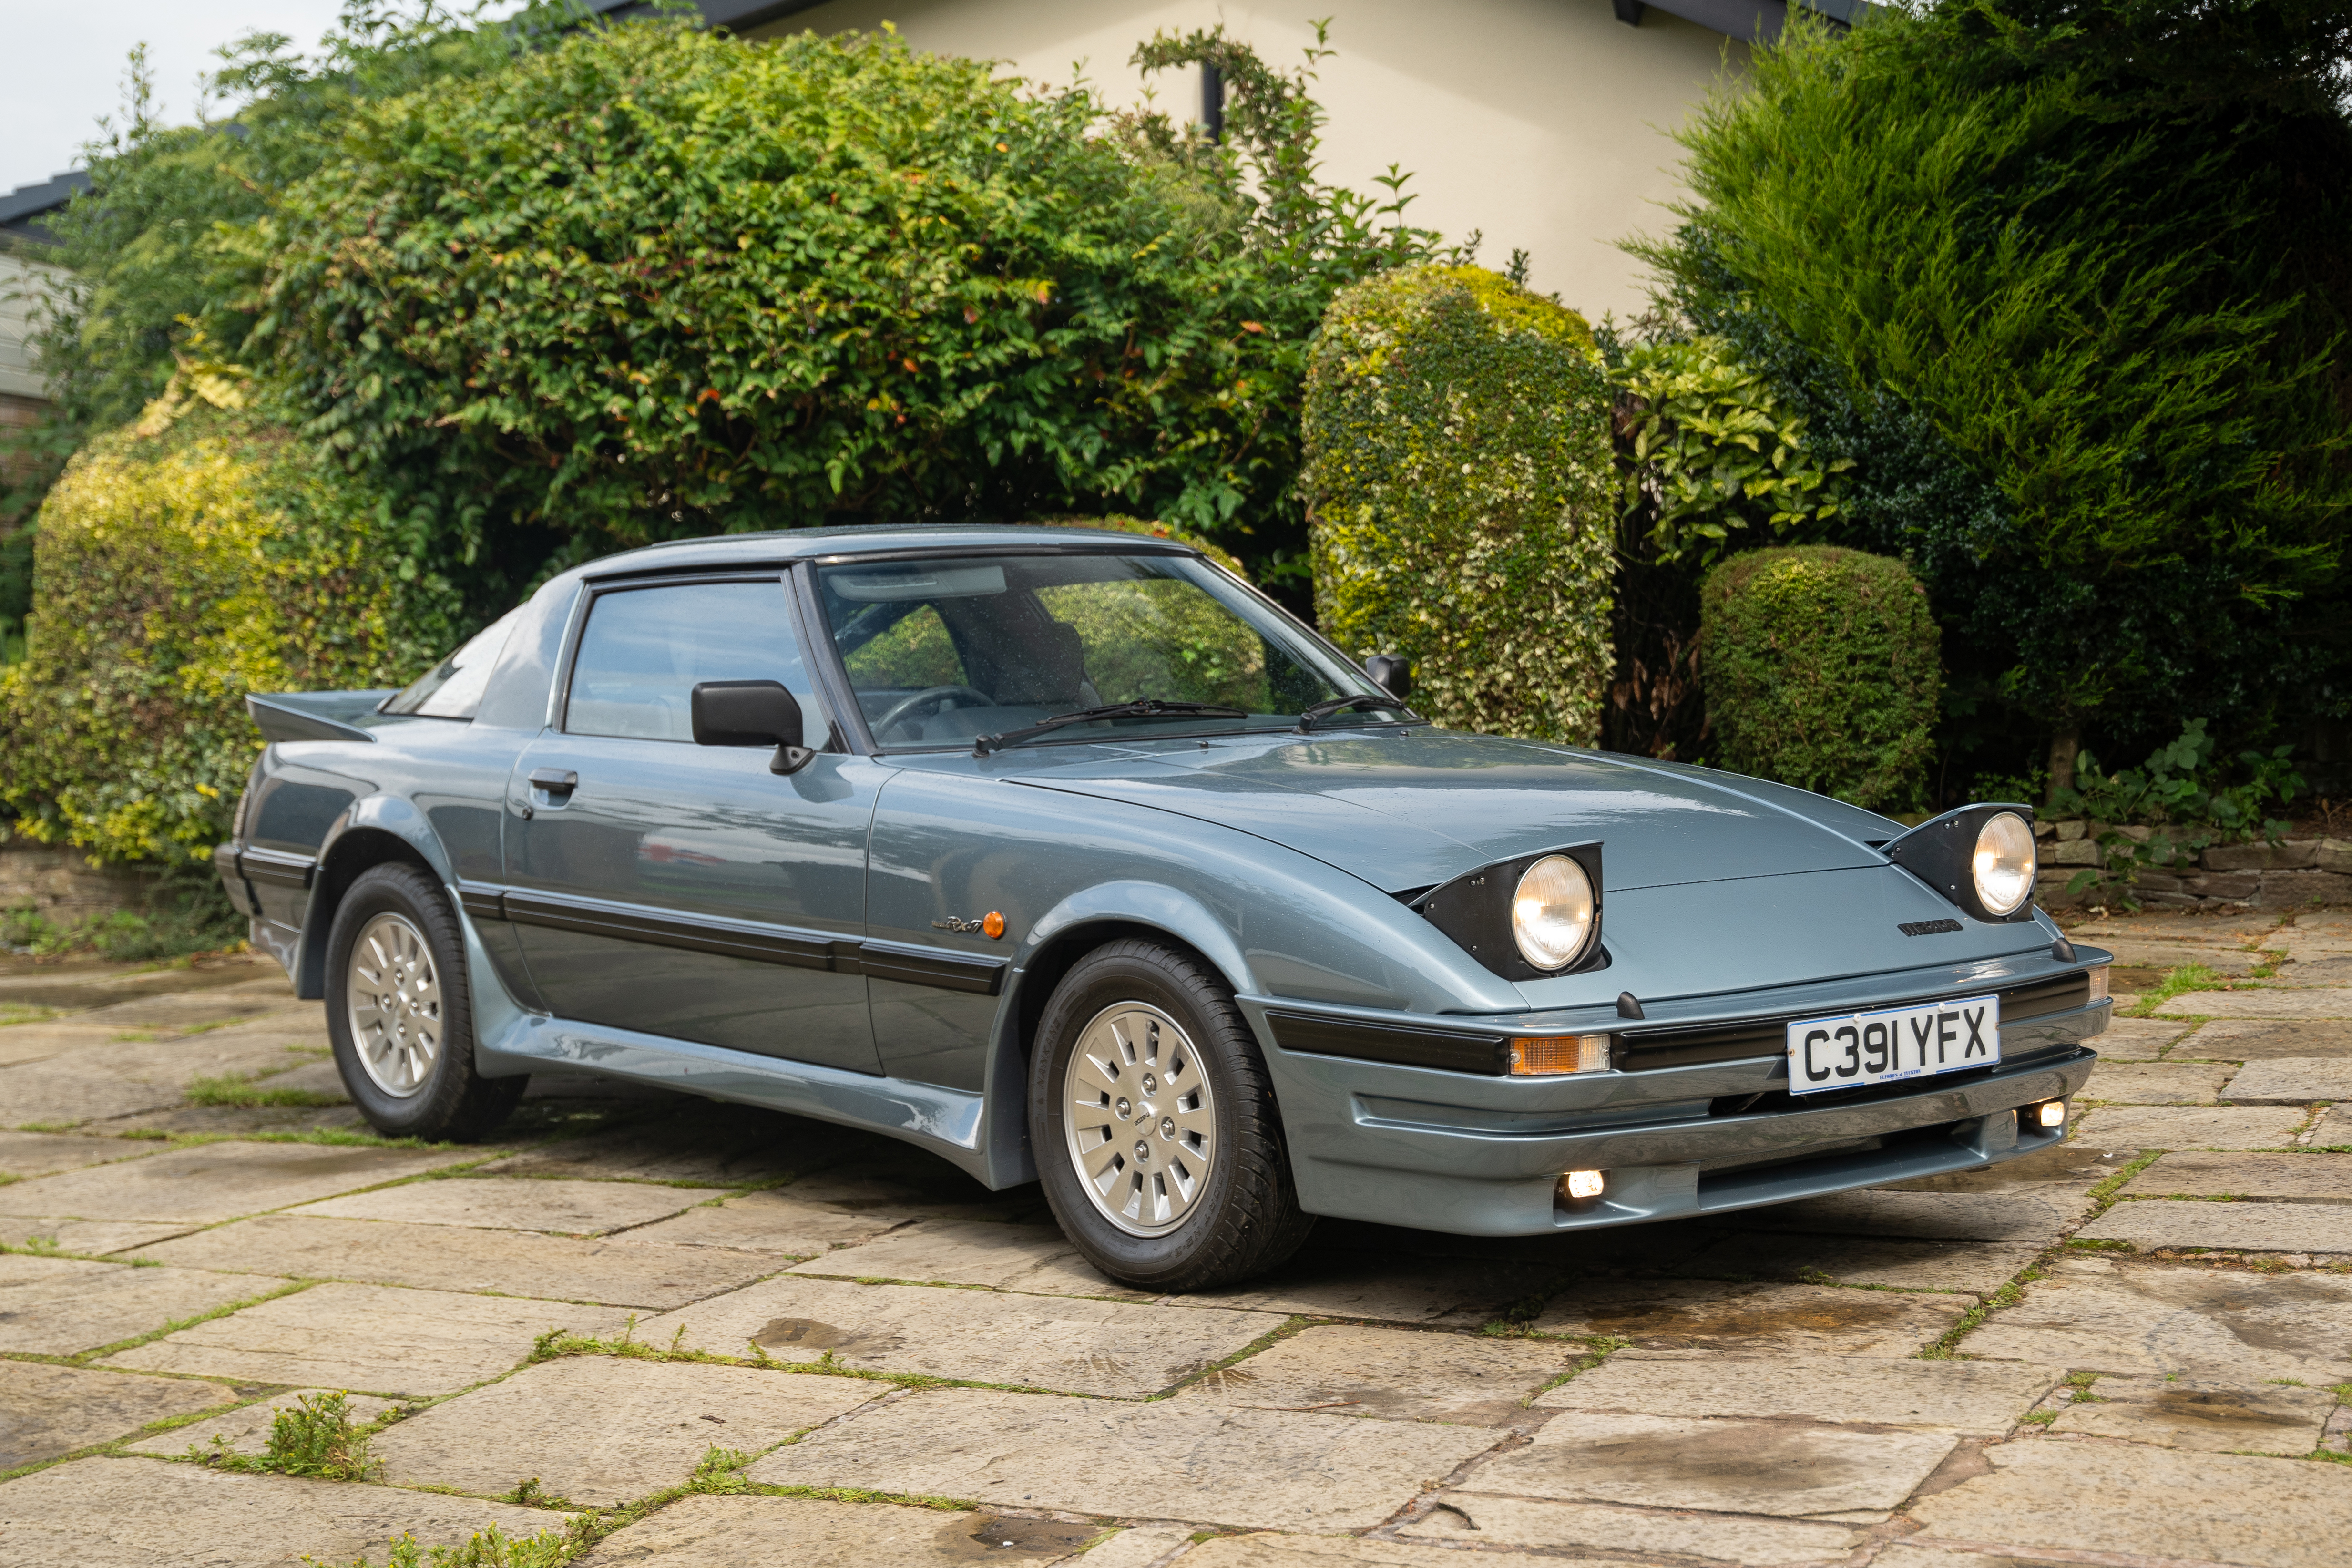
(645,650)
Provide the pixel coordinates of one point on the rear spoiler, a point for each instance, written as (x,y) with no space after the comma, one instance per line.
(316,715)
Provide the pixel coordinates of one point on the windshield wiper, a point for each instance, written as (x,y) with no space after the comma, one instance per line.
(1307,715)
(1148,707)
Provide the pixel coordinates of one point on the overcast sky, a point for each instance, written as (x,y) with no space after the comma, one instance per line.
(67,65)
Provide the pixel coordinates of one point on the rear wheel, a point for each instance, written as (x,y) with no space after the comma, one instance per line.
(1155,1127)
(398,1012)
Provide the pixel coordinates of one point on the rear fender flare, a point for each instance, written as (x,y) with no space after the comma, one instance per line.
(370,832)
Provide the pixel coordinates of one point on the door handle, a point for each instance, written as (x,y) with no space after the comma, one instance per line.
(554,781)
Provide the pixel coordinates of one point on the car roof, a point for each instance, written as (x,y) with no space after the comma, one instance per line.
(781,545)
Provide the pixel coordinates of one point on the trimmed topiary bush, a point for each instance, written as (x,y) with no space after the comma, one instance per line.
(1460,495)
(183,561)
(1822,670)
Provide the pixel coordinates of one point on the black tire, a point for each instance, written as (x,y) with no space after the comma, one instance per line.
(1245,1218)
(450,1100)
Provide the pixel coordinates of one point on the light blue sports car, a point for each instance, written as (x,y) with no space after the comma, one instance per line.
(1070,857)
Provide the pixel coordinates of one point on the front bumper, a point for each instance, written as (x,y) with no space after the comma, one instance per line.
(1482,1156)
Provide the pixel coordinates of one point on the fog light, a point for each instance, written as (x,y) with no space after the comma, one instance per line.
(1582,1184)
(2098,978)
(2050,1115)
(1542,1056)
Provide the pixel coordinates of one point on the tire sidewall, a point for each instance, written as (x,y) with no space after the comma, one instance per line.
(397,889)
(1105,980)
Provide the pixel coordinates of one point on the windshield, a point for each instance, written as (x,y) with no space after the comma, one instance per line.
(941,652)
(453,688)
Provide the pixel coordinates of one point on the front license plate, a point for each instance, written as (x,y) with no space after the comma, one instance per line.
(1893,1044)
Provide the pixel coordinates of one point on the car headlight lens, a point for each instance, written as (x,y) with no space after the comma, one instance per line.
(2003,863)
(1551,912)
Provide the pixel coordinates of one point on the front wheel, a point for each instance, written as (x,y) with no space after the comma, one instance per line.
(399,1015)
(1157,1141)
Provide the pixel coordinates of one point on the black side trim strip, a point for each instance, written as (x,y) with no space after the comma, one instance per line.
(932,966)
(1454,1051)
(277,868)
(482,903)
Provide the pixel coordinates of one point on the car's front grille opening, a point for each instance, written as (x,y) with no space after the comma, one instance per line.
(1769,1037)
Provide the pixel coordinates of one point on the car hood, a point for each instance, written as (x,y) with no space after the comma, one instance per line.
(1409,809)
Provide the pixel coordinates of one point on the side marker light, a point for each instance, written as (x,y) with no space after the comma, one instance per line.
(2098,979)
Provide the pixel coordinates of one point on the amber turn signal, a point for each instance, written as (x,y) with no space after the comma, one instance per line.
(2098,979)
(1544,1055)
(993,923)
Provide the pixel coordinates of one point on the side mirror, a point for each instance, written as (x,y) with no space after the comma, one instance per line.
(1391,673)
(751,713)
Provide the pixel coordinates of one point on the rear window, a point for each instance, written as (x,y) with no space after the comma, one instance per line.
(453,688)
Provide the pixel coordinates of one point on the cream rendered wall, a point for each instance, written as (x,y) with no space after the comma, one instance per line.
(22,285)
(1540,122)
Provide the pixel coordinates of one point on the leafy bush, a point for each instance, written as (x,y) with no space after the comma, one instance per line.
(1822,671)
(2084,340)
(2179,794)
(183,563)
(1459,481)
(654,282)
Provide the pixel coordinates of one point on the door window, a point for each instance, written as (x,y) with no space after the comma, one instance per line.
(645,650)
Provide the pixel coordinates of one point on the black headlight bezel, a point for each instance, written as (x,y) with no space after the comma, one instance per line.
(1474,910)
(1941,852)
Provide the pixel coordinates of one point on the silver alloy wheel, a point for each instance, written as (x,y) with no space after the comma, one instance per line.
(1139,1119)
(394,992)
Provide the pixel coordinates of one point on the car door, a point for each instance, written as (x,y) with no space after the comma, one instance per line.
(688,890)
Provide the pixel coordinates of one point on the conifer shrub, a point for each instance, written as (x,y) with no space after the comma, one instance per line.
(1822,670)
(1460,494)
(183,561)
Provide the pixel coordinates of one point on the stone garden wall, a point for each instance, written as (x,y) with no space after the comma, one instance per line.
(2295,874)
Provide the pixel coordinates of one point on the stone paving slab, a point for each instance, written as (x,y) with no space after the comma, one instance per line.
(22,1044)
(1386,1288)
(2137,1039)
(1470,1519)
(2033,1215)
(1784,1468)
(443,1258)
(45,1153)
(562,1207)
(1031,1258)
(2090,1496)
(1978,1268)
(2141,953)
(60,1306)
(152,1513)
(2332,1130)
(2095,1314)
(2188,1127)
(2213,1418)
(2236,1226)
(416,1344)
(1204,1463)
(2312,1178)
(46,1410)
(1979,1399)
(214,1181)
(234,1120)
(2069,1165)
(2293,1080)
(770,1222)
(1398,1374)
(2256,1039)
(1267,1550)
(604,1429)
(2155,1083)
(246,1429)
(59,1093)
(1678,1314)
(703,1142)
(1075,1344)
(180,1011)
(2273,1003)
(90,1237)
(807,1533)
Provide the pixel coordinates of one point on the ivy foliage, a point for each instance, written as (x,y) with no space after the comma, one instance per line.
(654,281)
(2085,341)
(185,560)
(1713,448)
(1822,670)
(1460,480)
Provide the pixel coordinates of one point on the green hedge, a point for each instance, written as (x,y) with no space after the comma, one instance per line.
(1460,489)
(1822,670)
(180,562)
